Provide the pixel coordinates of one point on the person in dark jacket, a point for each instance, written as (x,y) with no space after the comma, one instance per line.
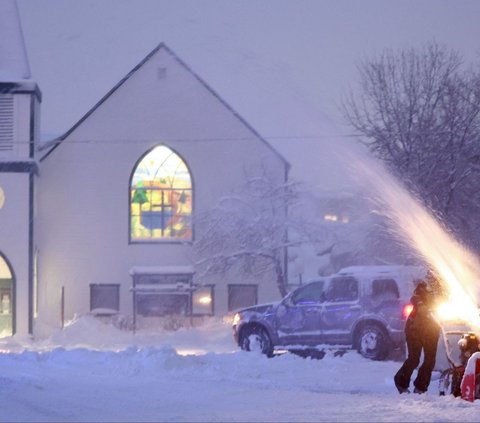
(422,332)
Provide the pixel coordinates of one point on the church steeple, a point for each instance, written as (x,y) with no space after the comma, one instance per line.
(19,94)
(14,66)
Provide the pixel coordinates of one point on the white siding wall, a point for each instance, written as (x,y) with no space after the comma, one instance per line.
(14,226)
(84,183)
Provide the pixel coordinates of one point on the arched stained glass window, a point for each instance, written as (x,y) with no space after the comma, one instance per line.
(161,198)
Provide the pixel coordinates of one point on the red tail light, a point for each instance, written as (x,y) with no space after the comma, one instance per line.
(407,309)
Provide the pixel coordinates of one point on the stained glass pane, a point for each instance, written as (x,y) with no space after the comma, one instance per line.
(161,197)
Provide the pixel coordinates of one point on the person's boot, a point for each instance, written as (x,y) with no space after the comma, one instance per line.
(418,391)
(401,389)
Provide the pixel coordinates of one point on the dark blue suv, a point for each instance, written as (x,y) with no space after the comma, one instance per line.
(360,307)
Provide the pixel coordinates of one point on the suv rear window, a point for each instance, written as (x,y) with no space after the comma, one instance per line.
(383,289)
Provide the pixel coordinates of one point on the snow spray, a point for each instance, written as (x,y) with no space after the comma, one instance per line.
(458,268)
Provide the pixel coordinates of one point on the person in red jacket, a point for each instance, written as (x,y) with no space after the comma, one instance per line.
(422,332)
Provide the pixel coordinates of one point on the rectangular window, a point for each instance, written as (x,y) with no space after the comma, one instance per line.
(150,304)
(385,289)
(203,301)
(242,295)
(162,294)
(104,297)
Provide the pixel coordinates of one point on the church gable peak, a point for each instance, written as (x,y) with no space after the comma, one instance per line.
(185,88)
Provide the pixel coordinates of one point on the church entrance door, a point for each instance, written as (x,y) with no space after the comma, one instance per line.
(6,298)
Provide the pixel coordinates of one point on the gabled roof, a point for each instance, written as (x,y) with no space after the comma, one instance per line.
(56,142)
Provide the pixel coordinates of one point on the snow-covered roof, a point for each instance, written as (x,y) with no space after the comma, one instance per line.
(379,270)
(24,165)
(170,288)
(14,66)
(161,270)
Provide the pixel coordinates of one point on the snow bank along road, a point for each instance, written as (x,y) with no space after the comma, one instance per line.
(89,373)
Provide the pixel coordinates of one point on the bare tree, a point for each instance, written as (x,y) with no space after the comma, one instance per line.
(252,229)
(419,111)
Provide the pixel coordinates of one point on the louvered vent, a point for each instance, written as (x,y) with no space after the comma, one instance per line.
(6,122)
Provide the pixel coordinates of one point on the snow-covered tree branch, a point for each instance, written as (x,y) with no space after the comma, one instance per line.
(419,111)
(251,229)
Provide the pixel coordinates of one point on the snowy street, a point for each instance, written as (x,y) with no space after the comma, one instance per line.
(94,372)
(296,172)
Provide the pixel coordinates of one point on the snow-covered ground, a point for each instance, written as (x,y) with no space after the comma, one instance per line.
(91,371)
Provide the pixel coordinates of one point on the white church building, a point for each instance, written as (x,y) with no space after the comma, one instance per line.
(102,219)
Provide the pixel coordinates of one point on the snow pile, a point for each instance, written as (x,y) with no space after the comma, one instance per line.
(92,371)
(214,335)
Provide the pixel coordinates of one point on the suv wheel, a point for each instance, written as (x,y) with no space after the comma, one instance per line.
(372,342)
(255,338)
